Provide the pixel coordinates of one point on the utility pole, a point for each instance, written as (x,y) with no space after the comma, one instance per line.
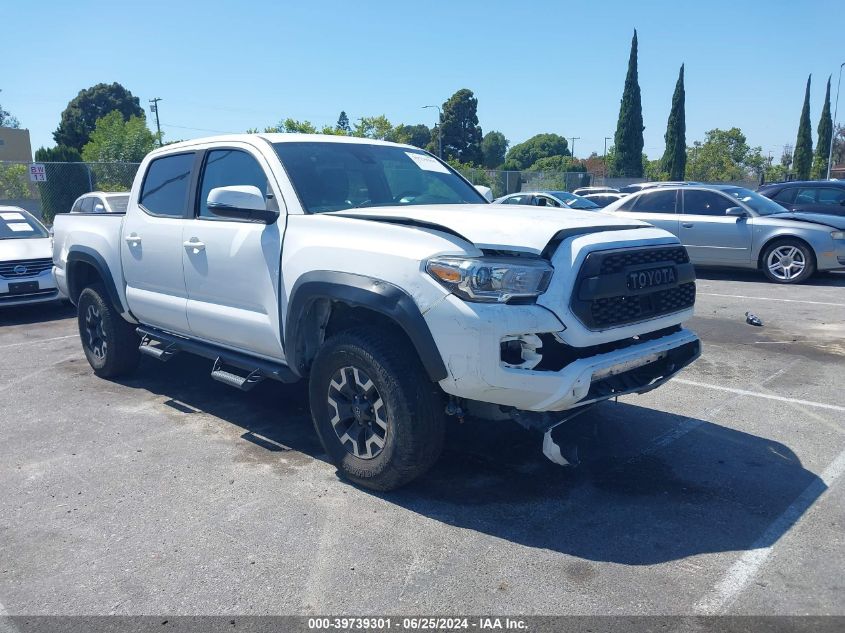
(606,139)
(439,130)
(835,113)
(154,108)
(574,138)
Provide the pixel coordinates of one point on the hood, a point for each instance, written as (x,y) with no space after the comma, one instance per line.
(25,248)
(836,221)
(519,227)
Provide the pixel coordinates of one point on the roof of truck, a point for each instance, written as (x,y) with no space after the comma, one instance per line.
(280,138)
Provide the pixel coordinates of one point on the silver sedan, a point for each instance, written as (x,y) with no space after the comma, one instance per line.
(723,225)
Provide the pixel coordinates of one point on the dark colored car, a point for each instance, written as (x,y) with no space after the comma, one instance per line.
(813,196)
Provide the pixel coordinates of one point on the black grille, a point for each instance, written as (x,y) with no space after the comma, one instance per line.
(617,262)
(26,267)
(628,309)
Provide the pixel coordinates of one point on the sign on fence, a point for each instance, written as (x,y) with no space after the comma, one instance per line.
(37,173)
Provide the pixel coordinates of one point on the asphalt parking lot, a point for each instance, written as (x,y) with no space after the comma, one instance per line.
(171,494)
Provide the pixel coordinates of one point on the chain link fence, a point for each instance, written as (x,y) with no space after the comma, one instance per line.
(505,182)
(45,189)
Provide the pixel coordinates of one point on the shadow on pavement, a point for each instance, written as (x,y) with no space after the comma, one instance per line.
(712,489)
(36,313)
(834,279)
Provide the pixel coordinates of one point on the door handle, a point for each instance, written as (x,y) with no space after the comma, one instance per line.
(195,244)
(133,240)
(686,225)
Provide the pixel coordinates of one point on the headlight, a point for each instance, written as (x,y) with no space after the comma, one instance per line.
(491,279)
(838,235)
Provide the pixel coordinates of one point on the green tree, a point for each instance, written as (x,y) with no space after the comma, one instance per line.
(460,129)
(494,146)
(838,145)
(558,163)
(343,123)
(674,161)
(523,155)
(62,165)
(292,126)
(81,114)
(13,181)
(628,139)
(418,135)
(803,156)
(6,119)
(377,127)
(117,141)
(724,156)
(825,131)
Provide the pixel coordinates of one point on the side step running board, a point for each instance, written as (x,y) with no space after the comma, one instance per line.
(244,383)
(256,369)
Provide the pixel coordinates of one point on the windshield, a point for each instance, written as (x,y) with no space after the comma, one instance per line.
(119,203)
(760,204)
(573,201)
(16,225)
(337,176)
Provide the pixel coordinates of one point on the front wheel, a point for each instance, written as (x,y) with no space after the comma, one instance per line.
(378,416)
(109,342)
(788,262)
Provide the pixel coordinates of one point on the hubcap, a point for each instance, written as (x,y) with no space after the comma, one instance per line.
(786,262)
(358,415)
(95,333)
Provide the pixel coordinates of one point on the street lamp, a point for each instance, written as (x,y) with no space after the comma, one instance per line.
(439,130)
(835,112)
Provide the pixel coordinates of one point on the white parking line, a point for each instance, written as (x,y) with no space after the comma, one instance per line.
(41,340)
(815,303)
(756,394)
(744,569)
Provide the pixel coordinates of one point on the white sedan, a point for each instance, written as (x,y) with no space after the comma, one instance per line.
(26,259)
(562,199)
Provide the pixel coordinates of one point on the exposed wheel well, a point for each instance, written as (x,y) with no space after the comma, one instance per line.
(81,274)
(783,238)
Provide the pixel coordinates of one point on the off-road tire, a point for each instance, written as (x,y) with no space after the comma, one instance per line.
(112,349)
(412,404)
(806,252)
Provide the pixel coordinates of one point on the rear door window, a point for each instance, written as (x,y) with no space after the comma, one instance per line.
(662,201)
(786,194)
(166,185)
(829,195)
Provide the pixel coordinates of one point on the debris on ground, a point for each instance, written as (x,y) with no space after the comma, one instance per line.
(753,319)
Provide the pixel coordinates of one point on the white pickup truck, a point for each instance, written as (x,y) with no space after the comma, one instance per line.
(382,277)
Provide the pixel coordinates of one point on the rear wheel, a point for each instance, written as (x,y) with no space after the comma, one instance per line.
(378,415)
(110,343)
(788,262)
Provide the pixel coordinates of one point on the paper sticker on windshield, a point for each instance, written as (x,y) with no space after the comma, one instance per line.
(20,226)
(12,216)
(429,163)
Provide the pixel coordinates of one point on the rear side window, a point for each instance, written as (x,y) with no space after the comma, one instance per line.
(87,205)
(706,203)
(828,195)
(662,201)
(786,194)
(165,190)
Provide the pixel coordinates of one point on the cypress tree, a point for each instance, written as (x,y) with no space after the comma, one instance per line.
(803,156)
(825,131)
(674,161)
(628,140)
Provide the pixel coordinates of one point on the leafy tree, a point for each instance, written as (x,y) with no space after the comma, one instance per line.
(58,154)
(6,119)
(558,163)
(293,126)
(13,181)
(80,116)
(674,159)
(803,156)
(460,129)
(786,157)
(343,123)
(62,164)
(377,127)
(332,130)
(494,145)
(724,156)
(628,139)
(825,131)
(417,135)
(838,145)
(115,140)
(523,155)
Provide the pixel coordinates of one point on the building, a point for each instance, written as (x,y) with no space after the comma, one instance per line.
(838,171)
(15,145)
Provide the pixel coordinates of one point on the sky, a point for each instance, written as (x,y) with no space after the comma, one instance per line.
(541,66)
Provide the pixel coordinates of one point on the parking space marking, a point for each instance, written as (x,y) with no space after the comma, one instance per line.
(743,570)
(815,303)
(756,394)
(42,340)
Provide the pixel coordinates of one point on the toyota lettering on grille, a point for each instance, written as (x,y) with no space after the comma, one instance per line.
(651,278)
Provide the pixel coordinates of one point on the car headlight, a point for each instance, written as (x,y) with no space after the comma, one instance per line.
(838,235)
(491,279)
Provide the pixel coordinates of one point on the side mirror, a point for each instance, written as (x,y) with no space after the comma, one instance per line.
(487,192)
(240,202)
(736,212)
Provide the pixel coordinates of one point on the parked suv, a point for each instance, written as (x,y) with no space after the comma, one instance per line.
(26,259)
(813,196)
(378,275)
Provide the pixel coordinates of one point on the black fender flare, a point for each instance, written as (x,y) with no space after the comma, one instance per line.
(360,291)
(95,260)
